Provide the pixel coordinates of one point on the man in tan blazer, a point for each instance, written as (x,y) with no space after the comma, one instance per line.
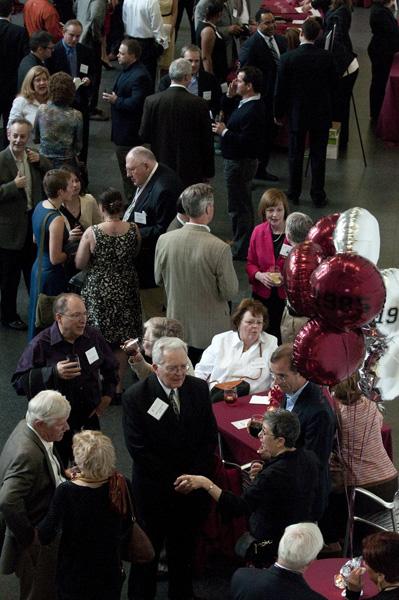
(197,271)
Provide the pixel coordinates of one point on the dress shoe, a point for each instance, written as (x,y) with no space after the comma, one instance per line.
(18,325)
(265,175)
(98,115)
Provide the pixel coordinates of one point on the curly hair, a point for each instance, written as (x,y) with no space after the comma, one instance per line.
(61,89)
(94,454)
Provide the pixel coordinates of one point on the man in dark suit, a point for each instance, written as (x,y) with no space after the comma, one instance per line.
(299,546)
(263,50)
(77,60)
(311,404)
(21,175)
(152,209)
(41,48)
(169,429)
(130,90)
(14,44)
(30,471)
(305,83)
(242,147)
(178,127)
(202,83)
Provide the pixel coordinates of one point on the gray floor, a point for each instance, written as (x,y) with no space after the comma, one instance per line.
(349,184)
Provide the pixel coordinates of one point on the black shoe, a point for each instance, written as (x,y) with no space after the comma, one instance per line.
(261,173)
(98,115)
(18,325)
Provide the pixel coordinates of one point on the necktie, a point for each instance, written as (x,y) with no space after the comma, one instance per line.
(273,50)
(71,53)
(173,403)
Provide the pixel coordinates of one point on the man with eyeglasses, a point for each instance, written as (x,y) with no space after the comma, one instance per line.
(169,429)
(310,403)
(73,358)
(41,47)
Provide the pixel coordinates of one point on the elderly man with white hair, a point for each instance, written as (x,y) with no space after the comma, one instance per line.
(299,546)
(30,471)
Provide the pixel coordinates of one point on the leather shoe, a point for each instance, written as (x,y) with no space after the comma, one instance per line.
(98,115)
(18,325)
(265,175)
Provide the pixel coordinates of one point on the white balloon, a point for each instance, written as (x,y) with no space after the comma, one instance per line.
(357,230)
(388,320)
(387,370)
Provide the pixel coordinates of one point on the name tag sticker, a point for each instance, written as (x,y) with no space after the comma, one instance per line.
(235,13)
(92,355)
(157,408)
(140,217)
(285,250)
(207,95)
(224,87)
(84,69)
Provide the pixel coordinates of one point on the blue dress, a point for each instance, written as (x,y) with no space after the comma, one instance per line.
(53,280)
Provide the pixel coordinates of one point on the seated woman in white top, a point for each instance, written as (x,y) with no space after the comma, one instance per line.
(243,353)
(34,91)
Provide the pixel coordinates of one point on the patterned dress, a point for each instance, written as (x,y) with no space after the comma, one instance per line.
(111,290)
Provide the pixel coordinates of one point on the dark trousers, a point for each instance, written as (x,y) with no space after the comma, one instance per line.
(128,186)
(239,175)
(10,273)
(188,5)
(318,139)
(379,77)
(275,308)
(97,72)
(149,55)
(6,100)
(342,104)
(85,136)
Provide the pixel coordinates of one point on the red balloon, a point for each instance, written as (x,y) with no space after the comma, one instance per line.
(325,355)
(322,233)
(300,264)
(348,289)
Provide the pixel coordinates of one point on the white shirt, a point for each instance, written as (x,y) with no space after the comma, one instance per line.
(23,108)
(23,168)
(55,465)
(143,19)
(167,391)
(224,360)
(198,225)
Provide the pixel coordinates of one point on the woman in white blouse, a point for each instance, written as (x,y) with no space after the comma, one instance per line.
(243,353)
(34,91)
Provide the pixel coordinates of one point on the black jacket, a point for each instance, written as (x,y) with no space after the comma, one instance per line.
(246,129)
(14,44)
(385,30)
(206,83)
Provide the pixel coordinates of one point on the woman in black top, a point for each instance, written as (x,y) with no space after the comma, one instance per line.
(381,50)
(211,42)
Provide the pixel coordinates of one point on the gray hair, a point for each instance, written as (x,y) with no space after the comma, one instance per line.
(61,302)
(300,544)
(47,406)
(195,198)
(141,152)
(190,48)
(179,69)
(283,423)
(166,344)
(297,226)
(20,121)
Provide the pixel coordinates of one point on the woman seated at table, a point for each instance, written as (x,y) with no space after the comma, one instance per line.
(283,491)
(154,328)
(241,354)
(381,561)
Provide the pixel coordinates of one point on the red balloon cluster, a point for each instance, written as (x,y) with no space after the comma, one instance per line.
(342,293)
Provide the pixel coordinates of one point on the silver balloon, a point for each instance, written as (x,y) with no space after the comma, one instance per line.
(357,230)
(387,321)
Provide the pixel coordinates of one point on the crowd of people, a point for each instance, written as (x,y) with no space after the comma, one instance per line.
(137,279)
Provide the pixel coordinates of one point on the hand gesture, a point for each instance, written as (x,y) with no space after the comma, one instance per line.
(33,156)
(20,180)
(67,369)
(75,233)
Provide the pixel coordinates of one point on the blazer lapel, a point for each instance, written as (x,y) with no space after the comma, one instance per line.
(35,439)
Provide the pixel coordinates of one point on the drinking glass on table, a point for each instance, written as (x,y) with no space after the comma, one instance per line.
(255,425)
(230,396)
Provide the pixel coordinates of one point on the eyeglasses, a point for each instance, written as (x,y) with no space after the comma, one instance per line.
(277,376)
(176,369)
(75,315)
(263,432)
(253,321)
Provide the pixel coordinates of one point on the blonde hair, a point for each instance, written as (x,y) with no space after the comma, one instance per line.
(94,454)
(27,89)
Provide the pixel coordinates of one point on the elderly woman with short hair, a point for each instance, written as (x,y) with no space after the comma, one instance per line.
(89,563)
(241,354)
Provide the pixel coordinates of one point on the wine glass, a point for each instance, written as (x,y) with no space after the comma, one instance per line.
(230,396)
(255,425)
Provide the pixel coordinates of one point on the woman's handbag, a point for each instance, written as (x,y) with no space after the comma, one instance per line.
(77,281)
(44,306)
(217,392)
(137,547)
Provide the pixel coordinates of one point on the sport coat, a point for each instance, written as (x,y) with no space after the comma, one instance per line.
(27,487)
(273,583)
(14,44)
(256,52)
(305,82)
(132,86)
(13,201)
(207,83)
(197,271)
(178,127)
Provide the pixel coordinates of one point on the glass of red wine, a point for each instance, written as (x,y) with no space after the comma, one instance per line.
(255,425)
(230,396)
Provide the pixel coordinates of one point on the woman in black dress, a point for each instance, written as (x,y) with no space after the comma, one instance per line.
(211,42)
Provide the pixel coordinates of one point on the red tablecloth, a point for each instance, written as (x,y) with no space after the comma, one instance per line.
(239,445)
(388,121)
(320,577)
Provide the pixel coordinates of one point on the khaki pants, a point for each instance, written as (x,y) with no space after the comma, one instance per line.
(290,326)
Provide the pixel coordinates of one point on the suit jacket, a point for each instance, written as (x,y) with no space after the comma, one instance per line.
(29,61)
(318,425)
(256,52)
(27,487)
(178,127)
(245,137)
(84,58)
(13,201)
(197,271)
(306,79)
(14,44)
(206,83)
(165,448)
(158,200)
(132,86)
(385,30)
(273,583)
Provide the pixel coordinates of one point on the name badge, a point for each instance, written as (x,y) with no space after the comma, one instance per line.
(92,355)
(235,13)
(84,69)
(140,217)
(207,95)
(285,250)
(157,408)
(224,87)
